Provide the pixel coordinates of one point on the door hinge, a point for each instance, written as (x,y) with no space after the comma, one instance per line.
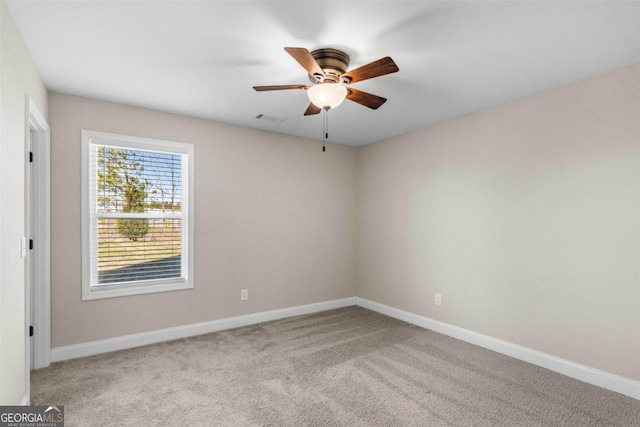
(30,331)
(30,156)
(30,243)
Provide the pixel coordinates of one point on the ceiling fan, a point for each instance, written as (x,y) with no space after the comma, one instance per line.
(327,68)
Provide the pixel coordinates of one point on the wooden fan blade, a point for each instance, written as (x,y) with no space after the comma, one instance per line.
(304,58)
(364,98)
(373,69)
(279,87)
(312,109)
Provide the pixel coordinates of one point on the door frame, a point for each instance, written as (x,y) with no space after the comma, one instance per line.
(38,225)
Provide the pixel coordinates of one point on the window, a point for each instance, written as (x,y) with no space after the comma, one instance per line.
(137,221)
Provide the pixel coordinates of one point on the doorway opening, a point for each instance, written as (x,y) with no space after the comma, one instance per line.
(37,232)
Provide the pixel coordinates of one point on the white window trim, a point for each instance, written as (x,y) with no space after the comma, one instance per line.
(109,291)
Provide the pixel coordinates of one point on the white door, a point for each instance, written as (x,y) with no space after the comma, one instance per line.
(29,260)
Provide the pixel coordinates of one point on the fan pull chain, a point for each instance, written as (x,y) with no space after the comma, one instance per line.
(325,128)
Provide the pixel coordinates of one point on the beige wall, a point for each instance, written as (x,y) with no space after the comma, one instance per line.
(273,214)
(525,217)
(19,78)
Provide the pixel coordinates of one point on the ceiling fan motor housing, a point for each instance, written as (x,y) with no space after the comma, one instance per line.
(334,64)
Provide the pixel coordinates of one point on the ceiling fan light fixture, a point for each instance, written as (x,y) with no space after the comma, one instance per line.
(327,71)
(325,95)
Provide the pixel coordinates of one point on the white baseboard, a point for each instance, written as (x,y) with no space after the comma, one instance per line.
(25,400)
(152,337)
(583,373)
(589,375)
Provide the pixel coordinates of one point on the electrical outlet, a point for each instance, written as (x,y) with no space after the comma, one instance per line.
(244,294)
(438,299)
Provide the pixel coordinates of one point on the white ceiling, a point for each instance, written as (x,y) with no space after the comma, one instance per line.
(201,58)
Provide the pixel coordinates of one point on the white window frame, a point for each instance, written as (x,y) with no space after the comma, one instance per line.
(89,290)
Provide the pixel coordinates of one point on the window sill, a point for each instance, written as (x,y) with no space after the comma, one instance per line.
(121,290)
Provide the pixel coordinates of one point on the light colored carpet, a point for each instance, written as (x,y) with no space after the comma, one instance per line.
(346,367)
